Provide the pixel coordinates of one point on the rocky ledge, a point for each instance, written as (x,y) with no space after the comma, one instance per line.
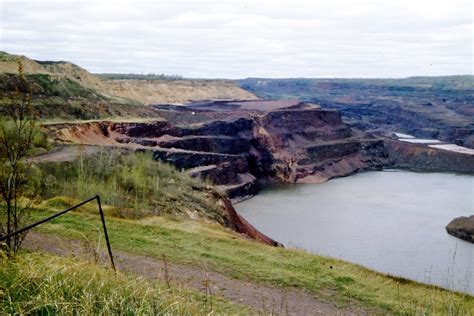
(421,157)
(462,227)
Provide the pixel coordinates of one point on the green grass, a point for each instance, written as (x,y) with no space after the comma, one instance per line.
(55,108)
(41,284)
(63,98)
(46,85)
(4,56)
(132,182)
(196,243)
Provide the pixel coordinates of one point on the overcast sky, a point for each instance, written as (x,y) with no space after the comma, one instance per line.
(239,38)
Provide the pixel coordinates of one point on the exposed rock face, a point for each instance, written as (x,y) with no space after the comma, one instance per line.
(423,158)
(216,144)
(240,224)
(305,145)
(462,227)
(143,129)
(289,141)
(183,159)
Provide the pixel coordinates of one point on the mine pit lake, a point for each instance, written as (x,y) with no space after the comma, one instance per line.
(391,221)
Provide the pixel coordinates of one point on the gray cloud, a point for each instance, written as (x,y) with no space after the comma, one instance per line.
(236,38)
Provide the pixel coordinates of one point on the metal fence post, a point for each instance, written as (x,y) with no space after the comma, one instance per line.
(109,249)
(47,219)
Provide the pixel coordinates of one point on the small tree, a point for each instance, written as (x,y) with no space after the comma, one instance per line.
(18,126)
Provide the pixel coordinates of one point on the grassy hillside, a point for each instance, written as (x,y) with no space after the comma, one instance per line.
(8,64)
(47,85)
(62,84)
(43,284)
(220,249)
(56,96)
(131,183)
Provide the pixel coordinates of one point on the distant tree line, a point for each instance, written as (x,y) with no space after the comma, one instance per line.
(150,76)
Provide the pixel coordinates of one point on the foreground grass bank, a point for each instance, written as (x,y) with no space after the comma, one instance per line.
(195,243)
(43,284)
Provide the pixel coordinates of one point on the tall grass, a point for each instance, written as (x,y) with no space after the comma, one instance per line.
(132,182)
(42,284)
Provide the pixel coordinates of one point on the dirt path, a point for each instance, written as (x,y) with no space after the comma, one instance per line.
(66,153)
(269,299)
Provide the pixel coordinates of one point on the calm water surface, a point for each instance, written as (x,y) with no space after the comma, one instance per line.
(392,221)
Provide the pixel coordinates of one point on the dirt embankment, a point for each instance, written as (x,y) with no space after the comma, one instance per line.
(143,91)
(175,91)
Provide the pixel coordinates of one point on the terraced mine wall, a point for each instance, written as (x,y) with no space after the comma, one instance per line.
(289,146)
(297,144)
(425,107)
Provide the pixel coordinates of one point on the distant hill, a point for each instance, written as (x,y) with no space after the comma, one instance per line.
(57,70)
(123,88)
(434,107)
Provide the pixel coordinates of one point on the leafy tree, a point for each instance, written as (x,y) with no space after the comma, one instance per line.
(18,127)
